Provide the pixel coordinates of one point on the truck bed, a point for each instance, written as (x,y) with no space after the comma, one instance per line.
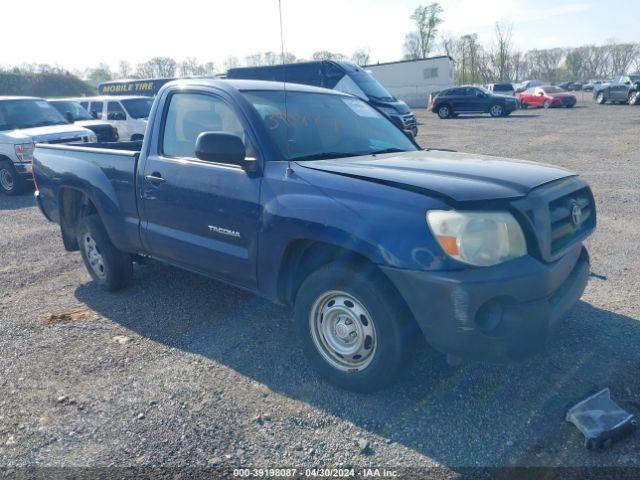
(105,172)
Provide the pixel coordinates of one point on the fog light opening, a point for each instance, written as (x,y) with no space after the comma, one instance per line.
(489,316)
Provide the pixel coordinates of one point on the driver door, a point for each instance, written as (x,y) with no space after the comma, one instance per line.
(201,215)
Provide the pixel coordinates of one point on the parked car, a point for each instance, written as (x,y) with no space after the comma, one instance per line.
(571,86)
(341,76)
(622,89)
(128,114)
(24,121)
(527,84)
(591,84)
(293,197)
(76,113)
(501,88)
(468,99)
(548,96)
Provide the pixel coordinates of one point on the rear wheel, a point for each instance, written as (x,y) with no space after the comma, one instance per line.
(444,111)
(353,332)
(601,99)
(109,267)
(496,110)
(10,182)
(546,104)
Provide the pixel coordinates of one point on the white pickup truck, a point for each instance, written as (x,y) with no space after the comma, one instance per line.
(25,121)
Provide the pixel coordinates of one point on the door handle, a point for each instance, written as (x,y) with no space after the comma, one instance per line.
(155,178)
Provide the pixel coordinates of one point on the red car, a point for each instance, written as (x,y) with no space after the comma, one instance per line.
(546,96)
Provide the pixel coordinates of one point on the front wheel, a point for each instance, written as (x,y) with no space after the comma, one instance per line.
(634,98)
(109,267)
(546,104)
(352,331)
(10,182)
(601,99)
(444,111)
(496,110)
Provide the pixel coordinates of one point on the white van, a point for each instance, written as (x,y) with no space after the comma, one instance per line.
(128,114)
(25,121)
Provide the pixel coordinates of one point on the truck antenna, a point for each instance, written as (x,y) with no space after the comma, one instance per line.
(289,170)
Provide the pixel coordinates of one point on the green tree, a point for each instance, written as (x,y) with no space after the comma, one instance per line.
(420,43)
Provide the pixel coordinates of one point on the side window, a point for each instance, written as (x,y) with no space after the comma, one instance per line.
(189,115)
(96,110)
(115,111)
(470,92)
(84,104)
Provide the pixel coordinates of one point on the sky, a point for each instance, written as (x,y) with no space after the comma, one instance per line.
(76,34)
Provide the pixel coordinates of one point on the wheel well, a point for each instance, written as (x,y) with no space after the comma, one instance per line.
(303,257)
(74,205)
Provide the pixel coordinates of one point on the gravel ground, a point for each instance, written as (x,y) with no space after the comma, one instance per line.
(182,371)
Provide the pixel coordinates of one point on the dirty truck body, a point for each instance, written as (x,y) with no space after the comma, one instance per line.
(326,205)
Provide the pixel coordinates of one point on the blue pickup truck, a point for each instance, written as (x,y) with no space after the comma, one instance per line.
(313,198)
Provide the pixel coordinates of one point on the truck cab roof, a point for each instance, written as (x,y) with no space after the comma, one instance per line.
(242,85)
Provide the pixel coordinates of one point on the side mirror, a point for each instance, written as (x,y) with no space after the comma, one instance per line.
(222,147)
(69,117)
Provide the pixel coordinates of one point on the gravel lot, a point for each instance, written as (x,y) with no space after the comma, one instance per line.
(182,371)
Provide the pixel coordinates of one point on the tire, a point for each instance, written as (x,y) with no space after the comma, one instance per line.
(109,267)
(353,332)
(601,99)
(496,110)
(634,98)
(546,104)
(444,111)
(10,182)
(523,105)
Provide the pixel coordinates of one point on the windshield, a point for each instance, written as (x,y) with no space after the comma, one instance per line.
(28,113)
(502,88)
(319,125)
(138,107)
(552,89)
(369,85)
(74,108)
(634,78)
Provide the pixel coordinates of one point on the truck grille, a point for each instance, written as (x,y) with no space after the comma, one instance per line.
(409,121)
(570,216)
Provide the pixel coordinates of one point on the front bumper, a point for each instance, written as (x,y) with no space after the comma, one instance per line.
(506,311)
(24,170)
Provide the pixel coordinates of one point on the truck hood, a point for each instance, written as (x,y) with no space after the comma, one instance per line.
(460,177)
(48,133)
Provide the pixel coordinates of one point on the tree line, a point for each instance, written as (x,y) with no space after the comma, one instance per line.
(158,67)
(500,61)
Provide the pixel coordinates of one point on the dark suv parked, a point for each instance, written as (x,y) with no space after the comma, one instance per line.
(458,100)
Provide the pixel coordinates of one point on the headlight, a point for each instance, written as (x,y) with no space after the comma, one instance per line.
(478,238)
(24,152)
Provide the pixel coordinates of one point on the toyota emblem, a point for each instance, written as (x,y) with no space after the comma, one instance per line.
(576,214)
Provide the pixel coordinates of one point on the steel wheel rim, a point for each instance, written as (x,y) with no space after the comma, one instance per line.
(6,179)
(343,331)
(600,97)
(545,104)
(496,110)
(444,111)
(94,256)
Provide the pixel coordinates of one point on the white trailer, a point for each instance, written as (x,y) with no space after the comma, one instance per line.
(413,81)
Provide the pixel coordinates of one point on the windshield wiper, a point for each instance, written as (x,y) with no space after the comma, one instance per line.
(386,150)
(325,156)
